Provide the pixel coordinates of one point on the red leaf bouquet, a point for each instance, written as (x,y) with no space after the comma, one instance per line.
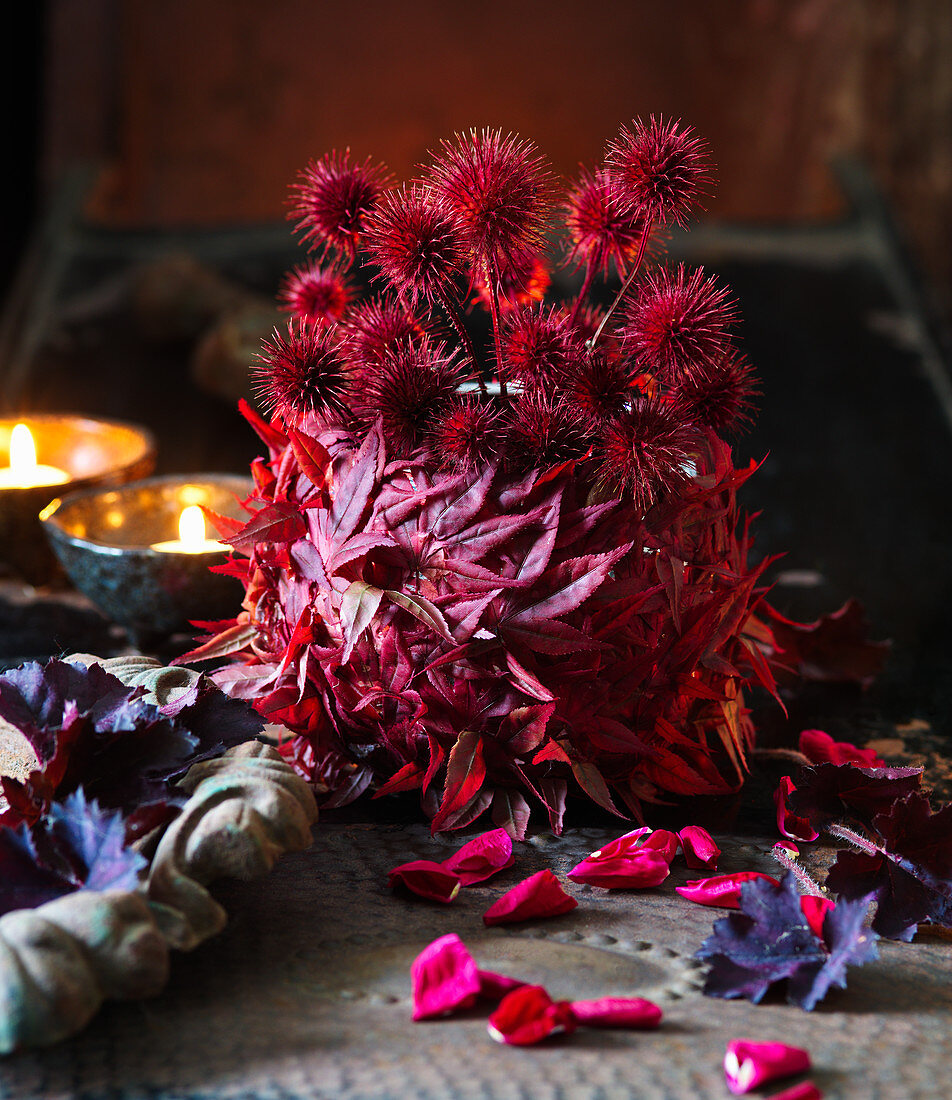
(494,552)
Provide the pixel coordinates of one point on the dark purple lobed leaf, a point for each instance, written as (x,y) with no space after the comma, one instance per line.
(828,792)
(769,940)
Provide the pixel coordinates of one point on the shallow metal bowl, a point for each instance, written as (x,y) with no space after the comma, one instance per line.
(93,452)
(103,540)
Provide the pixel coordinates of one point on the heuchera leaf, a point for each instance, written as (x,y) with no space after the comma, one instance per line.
(909,872)
(444,979)
(481,857)
(540,895)
(834,648)
(76,845)
(87,728)
(528,1015)
(769,940)
(829,792)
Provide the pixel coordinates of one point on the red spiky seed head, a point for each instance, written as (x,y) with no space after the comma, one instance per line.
(305,372)
(646,452)
(331,201)
(721,397)
(544,431)
(499,189)
(600,386)
(466,435)
(374,326)
(316,294)
(537,344)
(409,390)
(678,322)
(415,241)
(602,230)
(660,169)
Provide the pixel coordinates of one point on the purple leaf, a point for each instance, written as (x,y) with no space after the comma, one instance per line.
(76,845)
(769,940)
(827,792)
(909,873)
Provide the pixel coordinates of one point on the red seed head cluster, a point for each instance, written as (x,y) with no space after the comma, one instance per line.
(495,553)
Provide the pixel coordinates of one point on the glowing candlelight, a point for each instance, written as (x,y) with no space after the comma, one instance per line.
(24,472)
(191,538)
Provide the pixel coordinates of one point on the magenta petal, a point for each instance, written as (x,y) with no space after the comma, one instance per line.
(444,978)
(495,986)
(748,1064)
(540,895)
(699,848)
(662,841)
(721,891)
(820,748)
(630,1012)
(806,1090)
(815,910)
(640,870)
(426,879)
(791,826)
(529,1015)
(481,857)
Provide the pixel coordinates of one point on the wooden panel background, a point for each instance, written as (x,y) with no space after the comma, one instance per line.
(205,109)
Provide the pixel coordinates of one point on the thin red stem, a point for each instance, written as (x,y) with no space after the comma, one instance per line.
(456,321)
(494,311)
(790,863)
(854,838)
(642,245)
(586,283)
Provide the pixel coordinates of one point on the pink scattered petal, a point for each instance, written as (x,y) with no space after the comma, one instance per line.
(820,748)
(634,861)
(540,895)
(662,841)
(806,1090)
(444,979)
(528,1015)
(495,986)
(791,826)
(481,857)
(632,1012)
(815,910)
(748,1064)
(721,891)
(699,848)
(787,848)
(427,879)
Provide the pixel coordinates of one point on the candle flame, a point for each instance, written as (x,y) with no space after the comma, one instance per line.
(192,526)
(22,451)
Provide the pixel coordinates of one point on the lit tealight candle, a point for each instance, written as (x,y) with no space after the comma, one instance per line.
(191,538)
(24,472)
